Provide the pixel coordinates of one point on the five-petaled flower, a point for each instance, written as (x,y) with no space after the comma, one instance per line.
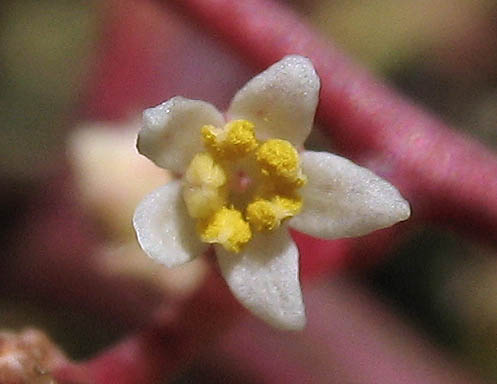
(245,178)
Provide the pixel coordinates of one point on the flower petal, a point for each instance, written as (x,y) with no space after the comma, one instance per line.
(164,229)
(170,136)
(281,101)
(342,199)
(264,277)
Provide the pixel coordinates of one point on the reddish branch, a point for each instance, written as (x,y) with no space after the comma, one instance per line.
(448,178)
(174,337)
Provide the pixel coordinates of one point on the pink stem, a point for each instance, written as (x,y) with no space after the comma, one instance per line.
(174,338)
(448,178)
(350,337)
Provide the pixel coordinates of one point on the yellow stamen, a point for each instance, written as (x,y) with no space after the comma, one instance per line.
(202,202)
(236,139)
(204,189)
(279,159)
(226,227)
(203,170)
(262,216)
(287,206)
(266,215)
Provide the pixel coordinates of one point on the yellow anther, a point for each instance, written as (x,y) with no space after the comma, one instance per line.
(278,158)
(210,134)
(236,139)
(266,215)
(202,202)
(204,189)
(226,227)
(262,216)
(205,171)
(241,137)
(287,206)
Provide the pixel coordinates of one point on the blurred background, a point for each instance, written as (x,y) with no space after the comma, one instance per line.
(74,78)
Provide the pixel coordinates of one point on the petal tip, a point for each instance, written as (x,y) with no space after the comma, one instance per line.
(281,101)
(294,323)
(343,199)
(304,69)
(265,279)
(404,210)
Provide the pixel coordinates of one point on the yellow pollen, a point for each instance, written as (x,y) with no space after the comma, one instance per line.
(226,227)
(271,169)
(236,139)
(279,159)
(204,189)
(287,206)
(262,216)
(266,215)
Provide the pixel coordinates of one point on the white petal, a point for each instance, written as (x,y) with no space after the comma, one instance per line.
(281,101)
(170,136)
(164,229)
(264,277)
(342,199)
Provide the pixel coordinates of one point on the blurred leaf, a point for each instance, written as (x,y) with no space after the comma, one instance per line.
(386,33)
(44,52)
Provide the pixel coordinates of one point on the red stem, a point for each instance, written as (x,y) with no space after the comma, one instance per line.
(350,337)
(448,178)
(175,336)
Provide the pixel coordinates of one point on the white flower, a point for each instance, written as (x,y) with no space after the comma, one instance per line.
(110,176)
(243,182)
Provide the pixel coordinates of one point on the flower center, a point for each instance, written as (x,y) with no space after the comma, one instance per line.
(241,184)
